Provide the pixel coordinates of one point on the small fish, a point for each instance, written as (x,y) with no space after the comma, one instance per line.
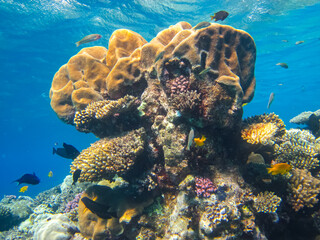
(50,174)
(76,175)
(203,72)
(221,15)
(244,104)
(89,38)
(23,189)
(159,56)
(190,139)
(202,25)
(271,97)
(68,151)
(279,168)
(299,42)
(28,179)
(99,209)
(284,65)
(285,40)
(200,141)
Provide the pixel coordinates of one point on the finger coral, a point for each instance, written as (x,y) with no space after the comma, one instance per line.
(262,129)
(108,157)
(104,118)
(303,189)
(266,202)
(298,149)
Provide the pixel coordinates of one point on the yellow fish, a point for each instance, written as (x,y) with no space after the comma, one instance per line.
(279,168)
(199,141)
(50,174)
(244,104)
(23,189)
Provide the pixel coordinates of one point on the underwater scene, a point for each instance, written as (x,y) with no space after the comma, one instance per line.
(150,120)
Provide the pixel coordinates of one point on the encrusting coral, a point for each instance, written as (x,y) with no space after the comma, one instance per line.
(104,118)
(298,149)
(262,129)
(109,157)
(303,189)
(266,202)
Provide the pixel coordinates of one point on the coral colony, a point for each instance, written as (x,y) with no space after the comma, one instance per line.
(168,112)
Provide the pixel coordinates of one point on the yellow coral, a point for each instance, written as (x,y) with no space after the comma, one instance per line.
(266,202)
(259,133)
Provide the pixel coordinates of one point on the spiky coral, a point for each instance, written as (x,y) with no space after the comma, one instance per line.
(303,189)
(262,129)
(108,157)
(298,149)
(186,101)
(266,202)
(106,117)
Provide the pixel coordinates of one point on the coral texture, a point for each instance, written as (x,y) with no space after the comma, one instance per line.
(108,157)
(262,129)
(104,118)
(298,149)
(266,202)
(303,117)
(303,189)
(204,187)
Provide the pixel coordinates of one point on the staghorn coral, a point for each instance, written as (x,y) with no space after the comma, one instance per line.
(266,202)
(107,117)
(108,157)
(262,129)
(298,149)
(303,189)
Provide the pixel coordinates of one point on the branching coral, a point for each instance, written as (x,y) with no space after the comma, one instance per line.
(298,149)
(262,129)
(266,202)
(303,189)
(108,157)
(107,117)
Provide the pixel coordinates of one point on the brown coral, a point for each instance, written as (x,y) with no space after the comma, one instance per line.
(266,202)
(303,189)
(104,118)
(262,129)
(298,148)
(108,157)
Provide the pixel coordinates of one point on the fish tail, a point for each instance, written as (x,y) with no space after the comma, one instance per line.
(269,170)
(54,151)
(77,44)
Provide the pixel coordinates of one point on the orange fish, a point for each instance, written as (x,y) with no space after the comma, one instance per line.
(200,141)
(279,168)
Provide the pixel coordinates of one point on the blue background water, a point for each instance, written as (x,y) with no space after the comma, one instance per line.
(37,37)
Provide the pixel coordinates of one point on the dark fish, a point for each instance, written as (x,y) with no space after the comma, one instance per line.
(89,38)
(99,209)
(221,15)
(28,179)
(76,175)
(68,151)
(271,97)
(159,56)
(284,65)
(202,25)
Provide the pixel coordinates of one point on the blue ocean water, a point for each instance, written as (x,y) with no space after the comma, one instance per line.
(37,37)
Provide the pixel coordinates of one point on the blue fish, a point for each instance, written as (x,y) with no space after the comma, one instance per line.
(28,179)
(68,151)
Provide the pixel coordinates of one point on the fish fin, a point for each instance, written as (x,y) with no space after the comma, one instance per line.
(212,17)
(54,151)
(77,44)
(65,145)
(269,170)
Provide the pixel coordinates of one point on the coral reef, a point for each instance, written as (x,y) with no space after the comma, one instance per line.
(108,157)
(266,202)
(262,129)
(104,118)
(303,189)
(204,187)
(303,117)
(298,149)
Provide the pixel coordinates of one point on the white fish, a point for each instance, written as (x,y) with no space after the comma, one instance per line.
(190,138)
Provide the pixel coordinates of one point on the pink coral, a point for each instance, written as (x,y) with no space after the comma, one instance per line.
(73,204)
(204,187)
(179,85)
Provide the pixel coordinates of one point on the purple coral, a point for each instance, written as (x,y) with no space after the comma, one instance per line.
(204,187)
(73,204)
(179,84)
